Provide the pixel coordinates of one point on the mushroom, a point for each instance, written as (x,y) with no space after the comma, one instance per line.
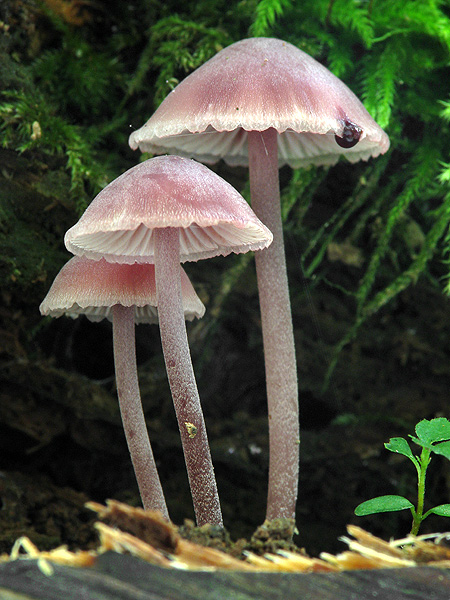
(169,210)
(264,103)
(124,294)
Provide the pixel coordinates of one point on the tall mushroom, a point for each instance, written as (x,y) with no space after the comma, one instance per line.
(124,294)
(264,103)
(169,210)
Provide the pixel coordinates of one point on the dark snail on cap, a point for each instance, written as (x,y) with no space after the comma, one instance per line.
(350,135)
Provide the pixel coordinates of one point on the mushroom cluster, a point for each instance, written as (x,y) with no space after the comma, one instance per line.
(263,103)
(128,247)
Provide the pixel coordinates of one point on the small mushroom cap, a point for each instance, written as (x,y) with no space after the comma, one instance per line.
(167,191)
(92,287)
(256,84)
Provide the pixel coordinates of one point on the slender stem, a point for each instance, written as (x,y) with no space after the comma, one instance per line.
(422,471)
(131,410)
(182,379)
(278,336)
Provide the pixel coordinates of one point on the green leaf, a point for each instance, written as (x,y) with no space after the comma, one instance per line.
(443,449)
(421,443)
(435,430)
(401,446)
(443,510)
(382,504)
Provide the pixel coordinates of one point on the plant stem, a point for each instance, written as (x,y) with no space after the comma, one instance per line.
(424,461)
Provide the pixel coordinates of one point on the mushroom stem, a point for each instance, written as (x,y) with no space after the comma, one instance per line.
(131,410)
(277,329)
(182,379)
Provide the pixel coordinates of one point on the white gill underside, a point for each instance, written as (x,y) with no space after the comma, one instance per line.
(142,314)
(195,243)
(294,149)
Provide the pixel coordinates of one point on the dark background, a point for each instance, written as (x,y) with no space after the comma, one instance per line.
(366,244)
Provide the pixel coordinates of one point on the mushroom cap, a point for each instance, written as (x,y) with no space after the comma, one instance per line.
(167,191)
(92,287)
(256,84)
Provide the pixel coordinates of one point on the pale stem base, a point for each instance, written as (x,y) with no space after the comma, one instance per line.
(277,329)
(182,380)
(131,410)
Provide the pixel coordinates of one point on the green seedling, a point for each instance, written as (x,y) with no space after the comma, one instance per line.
(432,436)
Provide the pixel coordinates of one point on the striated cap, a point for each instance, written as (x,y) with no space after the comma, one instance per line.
(254,85)
(92,287)
(167,191)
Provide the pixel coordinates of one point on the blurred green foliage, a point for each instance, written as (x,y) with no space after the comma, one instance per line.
(75,76)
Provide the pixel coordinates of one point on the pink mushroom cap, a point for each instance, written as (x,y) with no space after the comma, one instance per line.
(166,191)
(92,287)
(254,85)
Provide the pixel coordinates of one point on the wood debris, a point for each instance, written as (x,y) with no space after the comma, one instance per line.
(146,525)
(147,535)
(25,549)
(369,552)
(289,562)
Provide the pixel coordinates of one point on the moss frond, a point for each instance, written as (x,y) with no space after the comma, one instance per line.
(266,14)
(176,46)
(424,169)
(380,80)
(30,123)
(352,16)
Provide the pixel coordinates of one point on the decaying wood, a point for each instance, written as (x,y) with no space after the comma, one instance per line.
(142,557)
(366,551)
(158,541)
(147,535)
(124,577)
